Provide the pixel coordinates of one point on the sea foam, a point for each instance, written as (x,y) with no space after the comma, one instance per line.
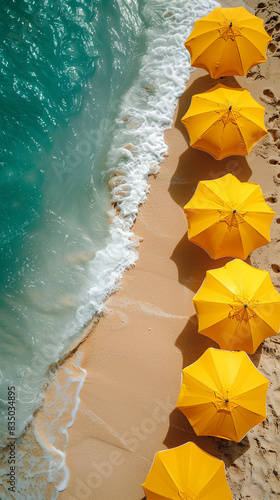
(138,145)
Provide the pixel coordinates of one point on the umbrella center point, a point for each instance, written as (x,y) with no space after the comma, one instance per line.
(228,31)
(230,218)
(243,311)
(223,403)
(229,115)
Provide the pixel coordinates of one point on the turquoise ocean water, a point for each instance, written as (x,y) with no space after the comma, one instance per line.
(87,88)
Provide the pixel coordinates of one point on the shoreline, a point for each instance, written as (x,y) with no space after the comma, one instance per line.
(135,352)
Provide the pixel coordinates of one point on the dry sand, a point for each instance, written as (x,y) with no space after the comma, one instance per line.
(134,355)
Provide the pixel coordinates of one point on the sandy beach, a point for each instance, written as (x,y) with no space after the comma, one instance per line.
(135,353)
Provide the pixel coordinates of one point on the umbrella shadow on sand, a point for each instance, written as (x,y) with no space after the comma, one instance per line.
(181,431)
(195,165)
(193,344)
(192,262)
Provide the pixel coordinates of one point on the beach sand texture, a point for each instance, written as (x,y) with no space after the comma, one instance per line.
(134,355)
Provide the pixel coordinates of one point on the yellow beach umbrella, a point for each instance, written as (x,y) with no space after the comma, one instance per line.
(228,218)
(223,394)
(224,121)
(186,472)
(238,306)
(228,41)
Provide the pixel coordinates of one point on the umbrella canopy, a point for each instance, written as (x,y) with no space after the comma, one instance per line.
(228,41)
(224,121)
(228,218)
(186,472)
(238,306)
(223,394)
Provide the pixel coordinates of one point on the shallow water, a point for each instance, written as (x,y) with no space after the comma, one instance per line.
(63,66)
